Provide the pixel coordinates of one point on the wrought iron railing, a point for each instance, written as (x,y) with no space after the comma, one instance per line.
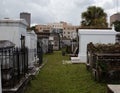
(14,65)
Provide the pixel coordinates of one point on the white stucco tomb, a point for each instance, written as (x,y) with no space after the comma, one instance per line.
(31,44)
(13,30)
(96,36)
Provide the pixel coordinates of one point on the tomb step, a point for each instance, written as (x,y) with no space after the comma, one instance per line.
(75,60)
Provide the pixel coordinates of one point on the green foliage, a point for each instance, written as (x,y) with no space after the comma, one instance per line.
(56,77)
(94,17)
(102,65)
(103,48)
(117,26)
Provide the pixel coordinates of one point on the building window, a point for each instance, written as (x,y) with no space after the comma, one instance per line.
(68,32)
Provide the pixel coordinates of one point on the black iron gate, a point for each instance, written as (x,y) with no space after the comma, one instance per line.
(14,65)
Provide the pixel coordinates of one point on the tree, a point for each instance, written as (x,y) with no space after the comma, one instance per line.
(94,17)
(117,26)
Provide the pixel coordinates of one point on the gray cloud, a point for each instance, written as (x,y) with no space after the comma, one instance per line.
(109,5)
(83,3)
(46,11)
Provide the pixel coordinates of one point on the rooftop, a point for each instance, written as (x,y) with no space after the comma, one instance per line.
(8,20)
(6,44)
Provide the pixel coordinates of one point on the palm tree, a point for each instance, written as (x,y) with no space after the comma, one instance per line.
(117,25)
(94,17)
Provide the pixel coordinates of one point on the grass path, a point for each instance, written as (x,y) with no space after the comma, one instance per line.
(56,77)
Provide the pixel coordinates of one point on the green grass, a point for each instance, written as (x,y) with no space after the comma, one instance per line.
(56,77)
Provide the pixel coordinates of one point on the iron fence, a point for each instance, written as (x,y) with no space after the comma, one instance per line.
(14,65)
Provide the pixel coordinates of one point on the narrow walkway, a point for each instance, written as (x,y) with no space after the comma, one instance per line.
(56,77)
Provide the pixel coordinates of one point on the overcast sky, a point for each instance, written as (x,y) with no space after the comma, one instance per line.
(47,11)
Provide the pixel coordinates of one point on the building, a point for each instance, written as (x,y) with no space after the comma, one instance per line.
(26,16)
(56,27)
(69,31)
(43,28)
(114,17)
